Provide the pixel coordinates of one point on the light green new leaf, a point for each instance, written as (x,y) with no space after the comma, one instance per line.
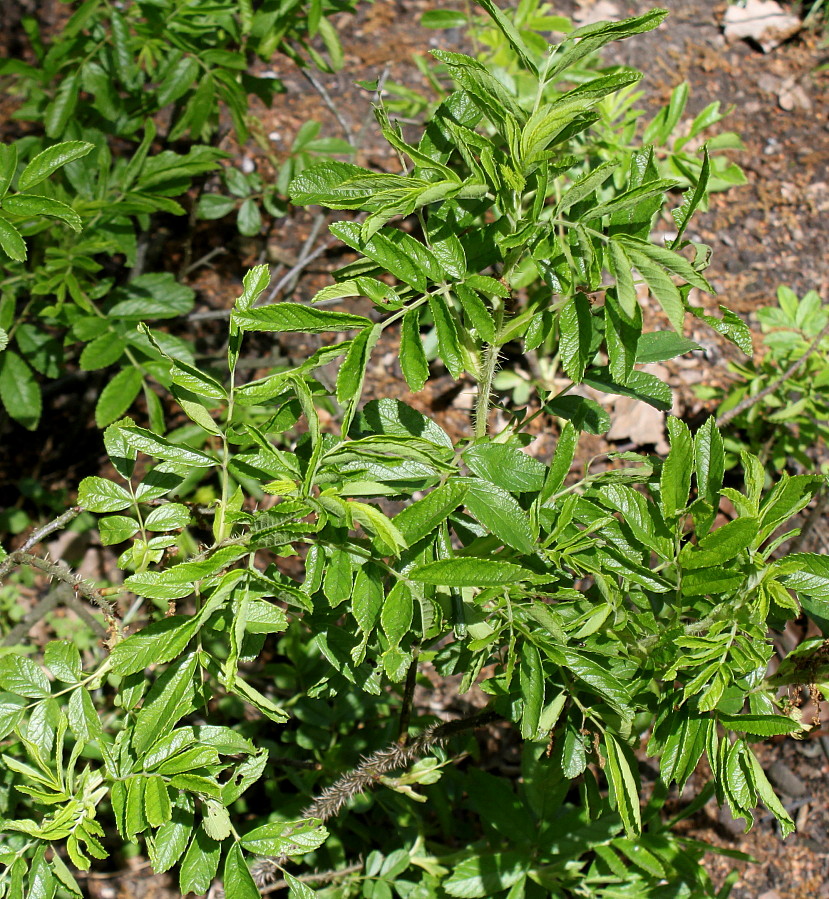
(562,462)
(374,521)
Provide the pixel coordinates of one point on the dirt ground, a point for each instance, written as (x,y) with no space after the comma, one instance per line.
(770,231)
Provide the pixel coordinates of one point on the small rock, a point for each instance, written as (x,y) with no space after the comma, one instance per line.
(770,894)
(763,21)
(782,776)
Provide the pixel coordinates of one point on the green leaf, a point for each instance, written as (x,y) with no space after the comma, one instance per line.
(449,347)
(30,205)
(500,513)
(215,206)
(397,613)
(11,242)
(157,807)
(169,699)
(22,676)
(486,875)
(761,725)
(19,390)
(286,837)
(60,110)
(249,218)
(563,456)
(532,690)
(298,890)
(296,317)
(625,789)
(394,418)
(807,573)
(200,863)
(100,495)
(472,572)
(675,483)
(620,268)
(8,167)
(353,369)
(157,643)
(118,396)
(147,442)
(64,661)
(83,716)
(576,325)
(657,346)
(155,295)
(102,351)
(423,517)
(375,522)
(721,545)
(237,878)
(767,795)
(511,34)
(12,710)
(707,581)
(412,355)
(585,414)
(709,462)
(178,81)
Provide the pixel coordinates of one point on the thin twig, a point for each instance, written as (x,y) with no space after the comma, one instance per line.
(344,123)
(750,401)
(367,774)
(306,256)
(203,260)
(36,536)
(321,877)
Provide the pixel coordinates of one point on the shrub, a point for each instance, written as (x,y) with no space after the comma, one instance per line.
(291,621)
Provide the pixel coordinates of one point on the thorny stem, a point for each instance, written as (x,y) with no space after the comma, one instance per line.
(78,584)
(318,877)
(367,774)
